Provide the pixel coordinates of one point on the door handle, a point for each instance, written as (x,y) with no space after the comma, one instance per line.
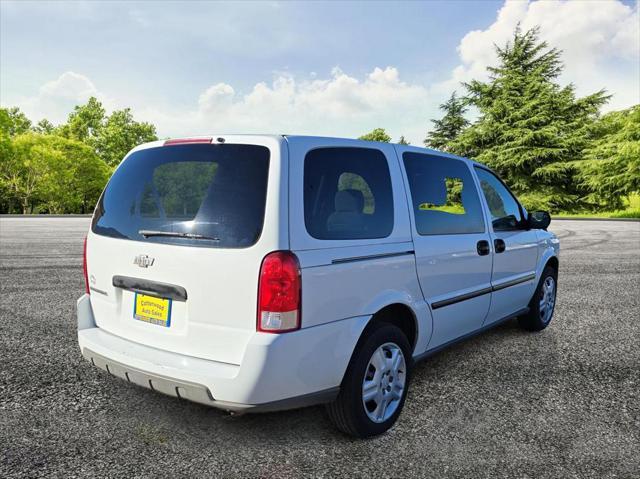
(154,288)
(499,245)
(483,247)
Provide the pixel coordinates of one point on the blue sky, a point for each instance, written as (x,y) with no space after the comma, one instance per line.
(315,67)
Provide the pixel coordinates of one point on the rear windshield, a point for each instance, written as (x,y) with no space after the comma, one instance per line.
(196,195)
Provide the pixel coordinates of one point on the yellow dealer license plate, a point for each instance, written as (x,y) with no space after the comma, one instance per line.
(152,310)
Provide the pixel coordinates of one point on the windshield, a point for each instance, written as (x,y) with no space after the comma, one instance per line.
(198,194)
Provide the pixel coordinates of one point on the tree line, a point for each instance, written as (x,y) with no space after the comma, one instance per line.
(63,169)
(555,150)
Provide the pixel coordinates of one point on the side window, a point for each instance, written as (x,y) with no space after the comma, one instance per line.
(443,195)
(504,209)
(347,194)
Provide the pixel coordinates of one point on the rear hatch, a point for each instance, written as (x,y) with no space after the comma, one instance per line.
(177,240)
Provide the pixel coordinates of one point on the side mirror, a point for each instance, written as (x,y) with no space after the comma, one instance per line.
(539,220)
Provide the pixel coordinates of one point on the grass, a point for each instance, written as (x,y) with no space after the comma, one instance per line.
(453,209)
(631,211)
(600,214)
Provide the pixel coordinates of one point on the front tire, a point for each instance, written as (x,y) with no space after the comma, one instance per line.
(375,385)
(543,303)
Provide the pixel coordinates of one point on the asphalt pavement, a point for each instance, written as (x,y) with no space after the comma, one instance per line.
(561,403)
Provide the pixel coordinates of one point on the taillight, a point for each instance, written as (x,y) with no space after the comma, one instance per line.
(84,267)
(279,293)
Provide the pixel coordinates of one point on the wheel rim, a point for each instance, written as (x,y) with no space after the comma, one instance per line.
(547,299)
(384,382)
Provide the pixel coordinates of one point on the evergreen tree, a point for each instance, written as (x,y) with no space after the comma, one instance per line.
(531,130)
(449,126)
(402,141)
(612,167)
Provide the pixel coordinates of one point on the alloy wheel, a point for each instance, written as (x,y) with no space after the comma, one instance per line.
(547,299)
(384,382)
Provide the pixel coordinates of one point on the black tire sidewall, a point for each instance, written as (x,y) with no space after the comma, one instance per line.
(352,384)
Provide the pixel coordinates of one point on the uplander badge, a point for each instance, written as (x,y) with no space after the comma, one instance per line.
(143,260)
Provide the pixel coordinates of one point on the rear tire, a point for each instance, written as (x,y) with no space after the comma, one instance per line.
(543,303)
(375,385)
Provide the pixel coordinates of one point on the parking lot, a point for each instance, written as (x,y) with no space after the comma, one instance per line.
(561,403)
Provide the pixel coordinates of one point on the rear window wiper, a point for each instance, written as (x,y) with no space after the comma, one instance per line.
(176,234)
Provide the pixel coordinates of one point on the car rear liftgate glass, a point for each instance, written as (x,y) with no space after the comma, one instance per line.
(197,195)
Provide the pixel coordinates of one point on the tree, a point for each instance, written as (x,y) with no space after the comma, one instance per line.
(119,134)
(14,121)
(44,126)
(6,125)
(6,153)
(23,170)
(402,141)
(611,169)
(57,174)
(449,126)
(531,130)
(63,169)
(377,134)
(85,176)
(84,121)
(110,136)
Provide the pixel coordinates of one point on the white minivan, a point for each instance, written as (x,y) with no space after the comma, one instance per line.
(261,273)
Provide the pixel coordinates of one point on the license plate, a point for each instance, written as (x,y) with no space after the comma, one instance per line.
(152,310)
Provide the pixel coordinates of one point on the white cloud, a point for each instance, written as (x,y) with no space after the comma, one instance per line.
(340,105)
(600,42)
(216,97)
(56,98)
(69,86)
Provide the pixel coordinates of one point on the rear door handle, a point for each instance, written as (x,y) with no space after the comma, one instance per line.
(483,248)
(153,288)
(499,245)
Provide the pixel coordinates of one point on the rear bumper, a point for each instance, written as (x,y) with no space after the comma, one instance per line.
(198,392)
(277,371)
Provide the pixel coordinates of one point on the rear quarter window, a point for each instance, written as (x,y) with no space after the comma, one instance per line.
(347,194)
(201,195)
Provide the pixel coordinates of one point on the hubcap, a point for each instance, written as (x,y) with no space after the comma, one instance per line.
(547,299)
(384,382)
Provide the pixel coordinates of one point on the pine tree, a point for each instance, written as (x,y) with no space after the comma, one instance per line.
(449,126)
(611,169)
(403,141)
(531,130)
